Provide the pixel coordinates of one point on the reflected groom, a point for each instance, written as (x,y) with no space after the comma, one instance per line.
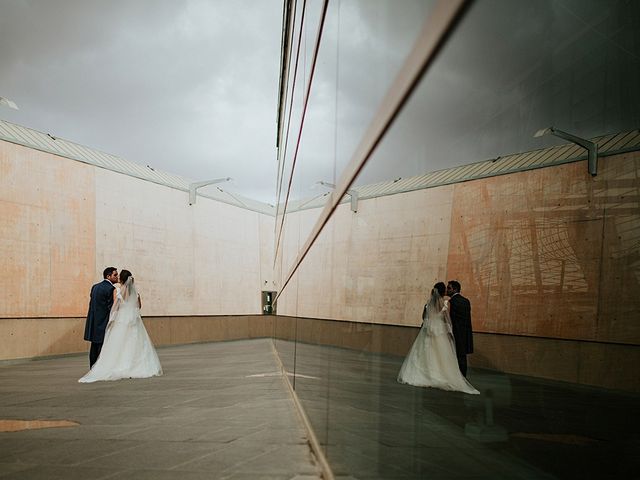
(99,308)
(460,311)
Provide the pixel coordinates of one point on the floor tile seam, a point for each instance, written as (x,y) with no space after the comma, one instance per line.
(223,418)
(140,445)
(181,466)
(294,429)
(110,454)
(125,435)
(52,434)
(250,459)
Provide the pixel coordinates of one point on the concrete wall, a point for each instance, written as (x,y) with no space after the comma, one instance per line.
(545,256)
(62,222)
(549,259)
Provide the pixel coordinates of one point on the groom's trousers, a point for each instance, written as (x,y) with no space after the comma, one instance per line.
(462,363)
(94,353)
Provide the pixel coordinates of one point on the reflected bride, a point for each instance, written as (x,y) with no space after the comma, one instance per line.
(432,361)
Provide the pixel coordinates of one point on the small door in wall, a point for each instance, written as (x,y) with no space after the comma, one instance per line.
(268,308)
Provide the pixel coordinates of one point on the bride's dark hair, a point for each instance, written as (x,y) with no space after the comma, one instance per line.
(436,302)
(124,275)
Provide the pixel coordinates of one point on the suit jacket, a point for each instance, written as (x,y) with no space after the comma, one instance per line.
(99,309)
(460,312)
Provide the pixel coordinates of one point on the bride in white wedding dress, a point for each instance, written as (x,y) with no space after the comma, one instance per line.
(127,351)
(432,361)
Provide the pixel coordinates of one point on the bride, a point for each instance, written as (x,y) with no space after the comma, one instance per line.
(127,351)
(432,362)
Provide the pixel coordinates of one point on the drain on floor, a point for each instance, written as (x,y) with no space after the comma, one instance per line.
(568,439)
(19,425)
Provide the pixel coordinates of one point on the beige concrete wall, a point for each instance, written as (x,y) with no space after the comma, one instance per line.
(47,233)
(62,222)
(202,259)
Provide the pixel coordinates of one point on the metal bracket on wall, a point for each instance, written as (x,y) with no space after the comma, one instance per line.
(592,148)
(196,185)
(352,193)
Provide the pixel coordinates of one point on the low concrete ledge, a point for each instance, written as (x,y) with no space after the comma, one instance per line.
(29,338)
(598,364)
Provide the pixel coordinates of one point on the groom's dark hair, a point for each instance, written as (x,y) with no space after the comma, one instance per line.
(108,271)
(455,285)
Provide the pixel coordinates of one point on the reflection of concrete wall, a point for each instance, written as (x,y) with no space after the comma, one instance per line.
(546,254)
(589,363)
(62,222)
(552,252)
(376,265)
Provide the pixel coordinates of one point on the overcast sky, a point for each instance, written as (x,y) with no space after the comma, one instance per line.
(185,86)
(190,86)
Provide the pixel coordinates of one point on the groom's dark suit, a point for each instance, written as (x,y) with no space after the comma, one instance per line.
(460,312)
(98,316)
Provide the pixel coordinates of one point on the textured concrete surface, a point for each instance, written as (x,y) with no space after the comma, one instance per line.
(220,411)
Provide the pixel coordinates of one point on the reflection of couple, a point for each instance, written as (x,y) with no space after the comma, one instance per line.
(120,345)
(438,356)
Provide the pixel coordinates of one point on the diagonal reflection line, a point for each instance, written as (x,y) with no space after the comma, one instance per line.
(307,94)
(283,155)
(435,32)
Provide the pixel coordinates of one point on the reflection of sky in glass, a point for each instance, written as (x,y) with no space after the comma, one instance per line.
(364,43)
(510,69)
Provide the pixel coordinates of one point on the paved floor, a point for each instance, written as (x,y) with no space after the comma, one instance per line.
(222,412)
(373,428)
(219,412)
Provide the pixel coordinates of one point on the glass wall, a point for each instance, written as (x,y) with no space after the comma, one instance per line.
(459,187)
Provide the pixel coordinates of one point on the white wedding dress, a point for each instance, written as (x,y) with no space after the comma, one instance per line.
(432,361)
(127,351)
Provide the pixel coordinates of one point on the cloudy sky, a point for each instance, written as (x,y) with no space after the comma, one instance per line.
(185,86)
(190,86)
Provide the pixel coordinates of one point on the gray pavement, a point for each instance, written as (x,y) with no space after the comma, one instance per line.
(220,411)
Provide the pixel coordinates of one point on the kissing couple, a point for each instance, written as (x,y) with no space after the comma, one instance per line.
(438,356)
(120,345)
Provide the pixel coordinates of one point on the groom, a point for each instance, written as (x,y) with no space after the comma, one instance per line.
(99,309)
(460,312)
